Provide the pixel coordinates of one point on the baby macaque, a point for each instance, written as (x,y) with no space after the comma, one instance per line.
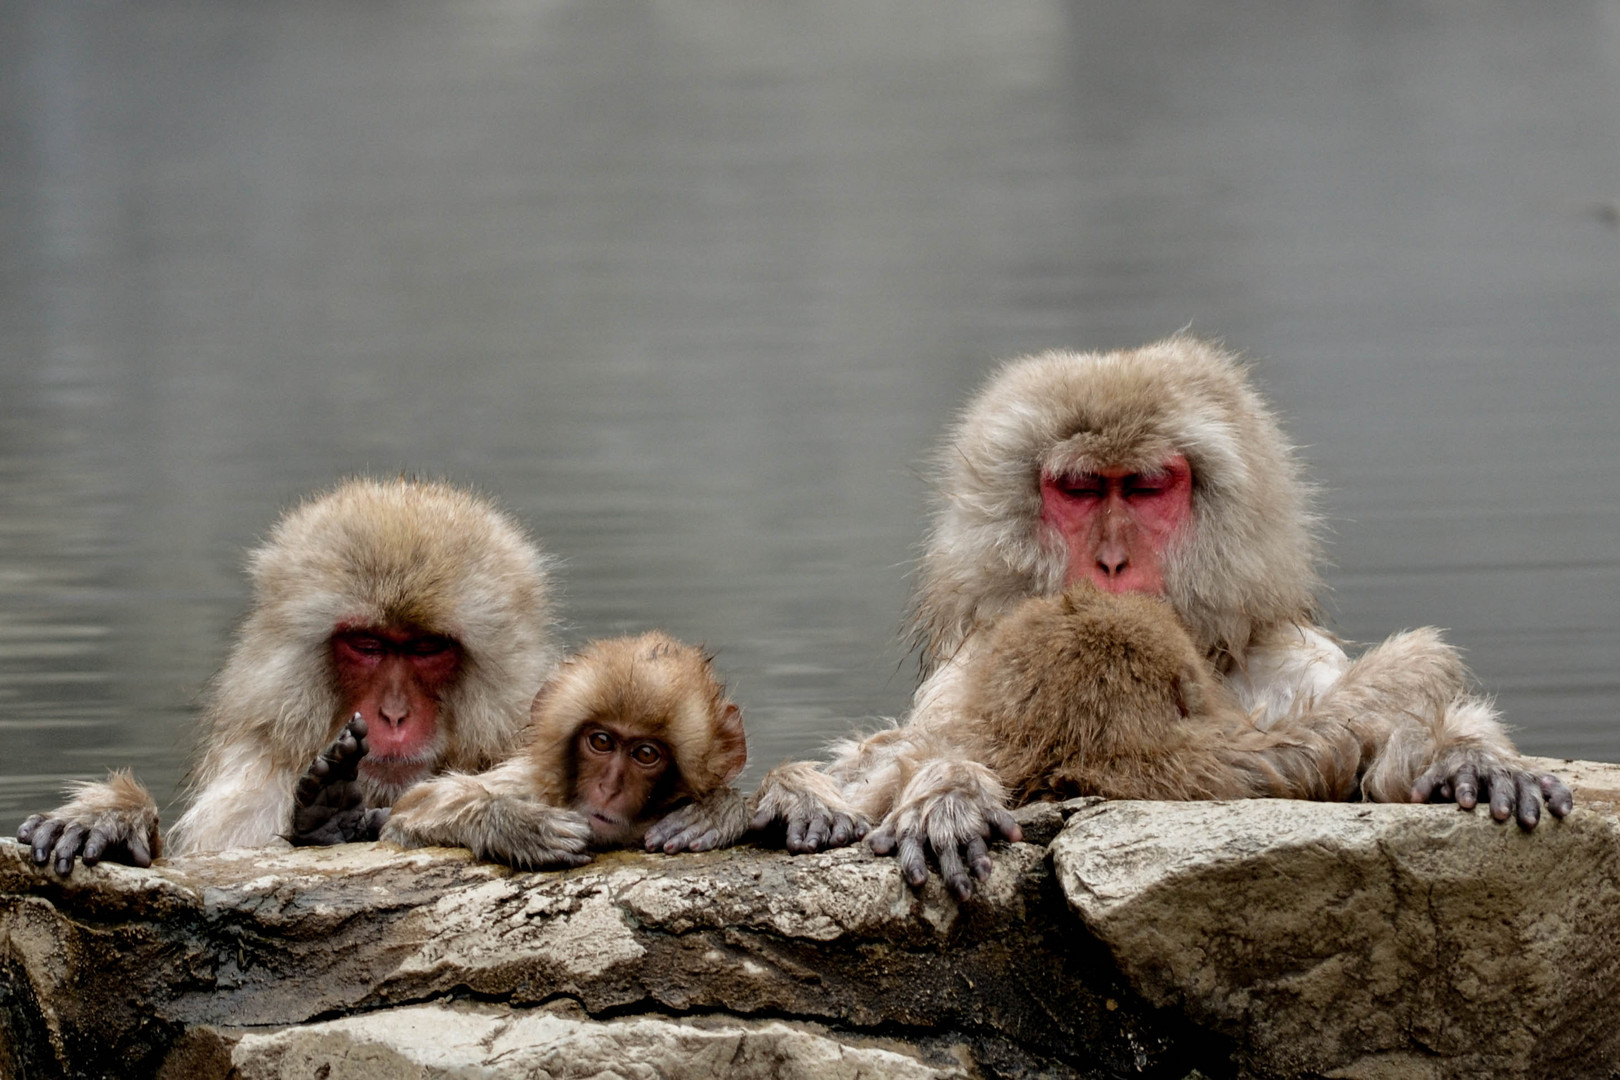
(1094,693)
(634,742)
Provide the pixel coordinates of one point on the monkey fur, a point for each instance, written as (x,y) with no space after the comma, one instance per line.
(521,813)
(366,553)
(1278,703)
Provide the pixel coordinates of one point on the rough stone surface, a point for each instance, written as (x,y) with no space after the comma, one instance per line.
(432,1041)
(1366,940)
(1244,939)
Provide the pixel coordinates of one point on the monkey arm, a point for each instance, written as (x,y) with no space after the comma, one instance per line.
(717,820)
(495,815)
(1469,759)
(930,796)
(114,820)
(1423,737)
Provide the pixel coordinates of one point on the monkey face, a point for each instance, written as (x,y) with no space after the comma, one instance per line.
(618,777)
(1117,525)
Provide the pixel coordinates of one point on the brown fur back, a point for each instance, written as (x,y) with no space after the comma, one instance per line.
(1093,693)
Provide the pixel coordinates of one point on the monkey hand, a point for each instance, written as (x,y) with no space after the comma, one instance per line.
(954,809)
(1469,775)
(457,810)
(328,805)
(715,821)
(808,802)
(116,820)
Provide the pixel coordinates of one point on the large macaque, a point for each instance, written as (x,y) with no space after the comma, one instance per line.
(1118,598)
(633,742)
(414,606)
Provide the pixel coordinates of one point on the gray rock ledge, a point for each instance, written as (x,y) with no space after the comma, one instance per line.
(1258,938)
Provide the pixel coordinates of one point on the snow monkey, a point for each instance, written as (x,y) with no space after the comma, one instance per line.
(1075,489)
(414,605)
(633,742)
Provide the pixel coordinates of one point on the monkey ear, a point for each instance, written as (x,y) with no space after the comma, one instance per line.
(729,751)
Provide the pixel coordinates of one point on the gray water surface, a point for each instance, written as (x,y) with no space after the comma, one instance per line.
(694,286)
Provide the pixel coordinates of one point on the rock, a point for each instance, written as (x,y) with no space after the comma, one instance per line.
(1269,939)
(172,969)
(1362,940)
(432,1041)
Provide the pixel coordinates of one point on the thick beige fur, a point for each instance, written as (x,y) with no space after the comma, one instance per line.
(1250,562)
(367,553)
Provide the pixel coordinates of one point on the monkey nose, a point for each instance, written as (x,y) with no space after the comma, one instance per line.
(1113,561)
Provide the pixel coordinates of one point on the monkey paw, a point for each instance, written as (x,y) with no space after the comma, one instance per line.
(116,820)
(1506,786)
(328,806)
(953,811)
(457,811)
(808,803)
(702,825)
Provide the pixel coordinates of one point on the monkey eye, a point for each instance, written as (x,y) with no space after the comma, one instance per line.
(365,643)
(1147,484)
(646,754)
(431,645)
(600,741)
(1081,485)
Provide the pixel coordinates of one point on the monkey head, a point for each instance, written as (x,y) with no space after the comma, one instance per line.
(632,726)
(1157,470)
(416,604)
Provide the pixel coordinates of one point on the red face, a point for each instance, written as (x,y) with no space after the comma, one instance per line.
(1117,525)
(395,678)
(616,777)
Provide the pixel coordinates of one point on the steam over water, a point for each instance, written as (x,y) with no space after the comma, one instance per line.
(693,288)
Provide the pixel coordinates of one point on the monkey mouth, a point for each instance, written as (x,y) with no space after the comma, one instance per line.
(609,828)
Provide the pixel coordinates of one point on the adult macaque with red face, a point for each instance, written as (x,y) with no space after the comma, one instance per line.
(634,743)
(1073,484)
(414,606)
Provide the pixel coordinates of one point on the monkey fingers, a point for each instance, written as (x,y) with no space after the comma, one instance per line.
(1508,792)
(110,838)
(70,844)
(44,835)
(1560,800)
(701,825)
(25,831)
(810,827)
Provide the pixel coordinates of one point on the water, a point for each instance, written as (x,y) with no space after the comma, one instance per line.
(694,286)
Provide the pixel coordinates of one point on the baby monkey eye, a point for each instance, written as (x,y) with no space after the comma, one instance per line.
(600,741)
(646,754)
